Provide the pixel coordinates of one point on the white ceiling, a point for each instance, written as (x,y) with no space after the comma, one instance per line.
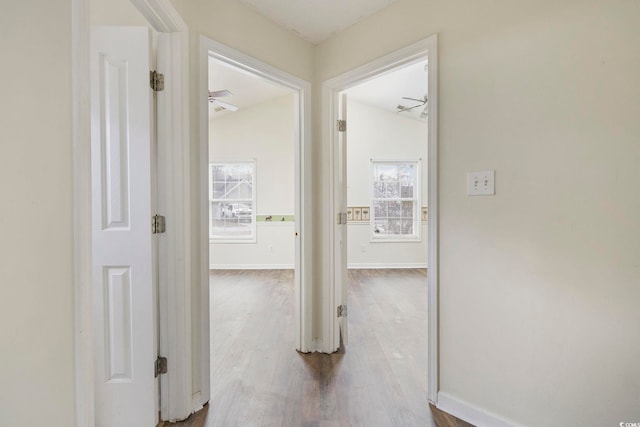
(316,20)
(386,92)
(247,89)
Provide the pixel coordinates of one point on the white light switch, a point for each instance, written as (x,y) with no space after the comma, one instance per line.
(481,183)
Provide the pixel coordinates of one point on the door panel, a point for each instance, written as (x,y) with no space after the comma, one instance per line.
(118,328)
(341,229)
(123,302)
(114,143)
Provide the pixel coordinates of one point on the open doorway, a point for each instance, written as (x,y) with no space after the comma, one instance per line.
(387,191)
(255,201)
(399,183)
(252,233)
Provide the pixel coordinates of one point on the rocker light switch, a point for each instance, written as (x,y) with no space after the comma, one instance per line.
(481,183)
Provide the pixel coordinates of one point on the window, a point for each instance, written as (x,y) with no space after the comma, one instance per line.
(232,201)
(395,210)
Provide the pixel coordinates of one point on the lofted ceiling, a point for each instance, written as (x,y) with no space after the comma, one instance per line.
(246,89)
(316,20)
(386,92)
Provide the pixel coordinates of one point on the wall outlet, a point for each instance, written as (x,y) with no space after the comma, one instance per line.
(481,183)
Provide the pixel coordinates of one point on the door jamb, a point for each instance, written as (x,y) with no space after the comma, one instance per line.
(82,245)
(174,248)
(303,229)
(330,91)
(175,281)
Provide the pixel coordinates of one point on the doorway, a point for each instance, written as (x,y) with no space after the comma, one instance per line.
(384,222)
(251,224)
(386,192)
(273,234)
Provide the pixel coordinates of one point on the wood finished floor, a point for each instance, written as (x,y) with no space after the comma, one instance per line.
(260,380)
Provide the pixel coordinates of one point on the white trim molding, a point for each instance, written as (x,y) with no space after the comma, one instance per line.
(222,238)
(173,196)
(472,414)
(427,48)
(388,266)
(82,244)
(252,266)
(161,15)
(417,199)
(433,244)
(303,191)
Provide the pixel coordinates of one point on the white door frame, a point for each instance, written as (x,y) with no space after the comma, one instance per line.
(173,164)
(82,221)
(303,229)
(330,94)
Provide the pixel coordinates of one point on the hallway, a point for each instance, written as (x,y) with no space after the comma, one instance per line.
(260,380)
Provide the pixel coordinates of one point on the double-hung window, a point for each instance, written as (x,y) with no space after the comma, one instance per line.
(396,200)
(232,197)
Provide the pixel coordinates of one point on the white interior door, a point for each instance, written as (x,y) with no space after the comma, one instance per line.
(123,302)
(341,228)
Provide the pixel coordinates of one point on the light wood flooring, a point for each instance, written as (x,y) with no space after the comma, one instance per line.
(260,380)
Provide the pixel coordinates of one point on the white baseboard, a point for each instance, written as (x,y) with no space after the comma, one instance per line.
(375,265)
(318,346)
(472,414)
(196,402)
(251,266)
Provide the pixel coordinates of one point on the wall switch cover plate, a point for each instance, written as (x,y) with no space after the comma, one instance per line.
(481,183)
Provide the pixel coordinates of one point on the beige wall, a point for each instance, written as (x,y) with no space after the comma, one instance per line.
(115,12)
(539,285)
(237,26)
(36,272)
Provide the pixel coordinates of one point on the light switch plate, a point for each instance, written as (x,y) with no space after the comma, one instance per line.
(481,183)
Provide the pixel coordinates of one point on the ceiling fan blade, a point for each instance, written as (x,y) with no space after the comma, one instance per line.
(219,93)
(402,108)
(225,105)
(414,99)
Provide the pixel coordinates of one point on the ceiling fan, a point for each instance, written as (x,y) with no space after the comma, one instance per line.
(213,98)
(421,102)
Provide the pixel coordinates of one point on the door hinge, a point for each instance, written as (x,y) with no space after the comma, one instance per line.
(156,80)
(342,125)
(158,224)
(342,310)
(341,218)
(160,366)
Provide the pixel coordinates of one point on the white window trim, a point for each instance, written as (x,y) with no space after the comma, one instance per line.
(253,238)
(417,216)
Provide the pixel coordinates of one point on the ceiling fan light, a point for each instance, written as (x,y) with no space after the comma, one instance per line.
(219,93)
